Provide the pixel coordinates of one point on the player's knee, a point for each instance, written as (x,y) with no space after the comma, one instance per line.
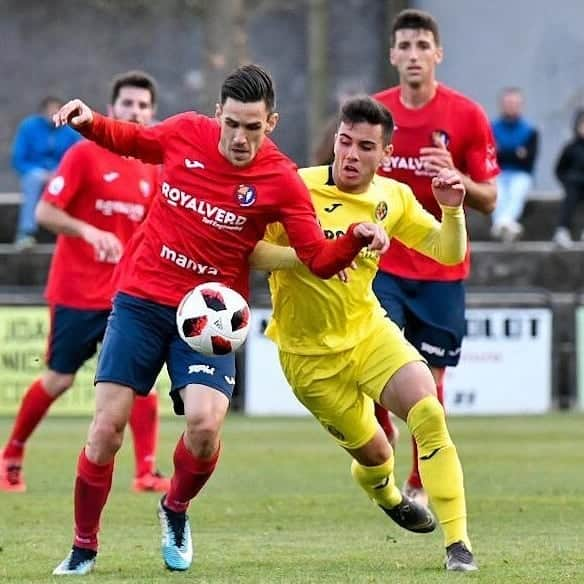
(375,452)
(408,386)
(57,383)
(427,423)
(202,433)
(105,438)
(377,456)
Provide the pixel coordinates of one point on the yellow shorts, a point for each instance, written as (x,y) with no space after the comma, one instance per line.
(340,388)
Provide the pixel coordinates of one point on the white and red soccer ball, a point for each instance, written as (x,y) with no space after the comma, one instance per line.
(213,319)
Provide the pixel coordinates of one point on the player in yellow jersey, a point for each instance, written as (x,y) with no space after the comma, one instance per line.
(338,350)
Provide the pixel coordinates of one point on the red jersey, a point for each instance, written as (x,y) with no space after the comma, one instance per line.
(109,192)
(210,214)
(465,130)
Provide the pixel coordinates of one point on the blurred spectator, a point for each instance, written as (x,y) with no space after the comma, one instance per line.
(570,172)
(323,154)
(517,142)
(36,152)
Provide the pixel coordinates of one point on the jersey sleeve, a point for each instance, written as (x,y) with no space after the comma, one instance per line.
(130,139)
(323,257)
(481,152)
(156,180)
(67,181)
(443,241)
(415,223)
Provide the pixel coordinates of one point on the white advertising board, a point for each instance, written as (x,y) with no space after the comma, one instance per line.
(266,390)
(505,368)
(505,365)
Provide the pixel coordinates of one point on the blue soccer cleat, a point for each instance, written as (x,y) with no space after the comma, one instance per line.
(177,545)
(79,562)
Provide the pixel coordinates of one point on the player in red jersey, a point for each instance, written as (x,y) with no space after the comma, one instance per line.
(223,181)
(436,127)
(94,203)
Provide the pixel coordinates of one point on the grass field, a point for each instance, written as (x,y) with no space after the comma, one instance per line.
(282,507)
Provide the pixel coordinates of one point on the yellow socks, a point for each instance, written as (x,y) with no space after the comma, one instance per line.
(378,482)
(440,468)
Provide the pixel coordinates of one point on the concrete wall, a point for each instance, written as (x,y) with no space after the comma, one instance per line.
(72,48)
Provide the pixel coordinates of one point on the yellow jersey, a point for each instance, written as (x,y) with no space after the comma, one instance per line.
(312,316)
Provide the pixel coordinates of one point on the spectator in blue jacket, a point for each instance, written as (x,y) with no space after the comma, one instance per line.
(36,152)
(517,143)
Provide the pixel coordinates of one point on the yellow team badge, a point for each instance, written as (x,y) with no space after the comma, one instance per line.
(381,211)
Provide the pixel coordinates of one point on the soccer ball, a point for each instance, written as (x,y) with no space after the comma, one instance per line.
(213,319)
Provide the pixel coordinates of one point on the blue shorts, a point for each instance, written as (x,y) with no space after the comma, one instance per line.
(430,313)
(141,336)
(74,336)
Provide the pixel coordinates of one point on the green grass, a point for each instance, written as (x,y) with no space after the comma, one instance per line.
(282,507)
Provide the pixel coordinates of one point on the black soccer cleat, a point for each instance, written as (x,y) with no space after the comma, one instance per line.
(412,516)
(459,558)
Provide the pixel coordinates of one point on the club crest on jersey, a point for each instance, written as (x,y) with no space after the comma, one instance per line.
(381,211)
(56,185)
(246,195)
(441,137)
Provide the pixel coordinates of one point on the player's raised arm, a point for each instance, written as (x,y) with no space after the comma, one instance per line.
(125,138)
(444,241)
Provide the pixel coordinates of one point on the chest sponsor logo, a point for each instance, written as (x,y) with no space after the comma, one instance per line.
(245,195)
(404,163)
(381,211)
(134,211)
(366,254)
(56,185)
(185,262)
(210,214)
(193,164)
(111,176)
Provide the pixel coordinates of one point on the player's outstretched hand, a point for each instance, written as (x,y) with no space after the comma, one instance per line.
(108,248)
(436,157)
(448,188)
(374,234)
(75,112)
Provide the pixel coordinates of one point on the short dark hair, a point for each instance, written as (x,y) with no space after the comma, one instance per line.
(510,89)
(578,119)
(363,108)
(248,84)
(133,79)
(46,101)
(416,20)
